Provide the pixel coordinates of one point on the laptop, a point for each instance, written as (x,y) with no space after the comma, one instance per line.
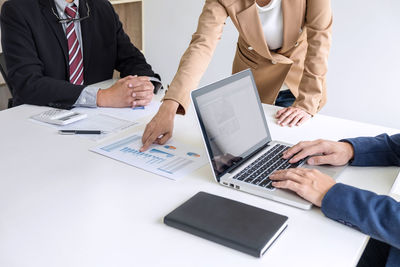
(238,142)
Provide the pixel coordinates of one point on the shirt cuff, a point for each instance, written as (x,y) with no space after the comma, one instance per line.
(88,97)
(154,79)
(157,84)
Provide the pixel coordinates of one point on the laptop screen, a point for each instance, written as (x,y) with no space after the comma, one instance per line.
(232,120)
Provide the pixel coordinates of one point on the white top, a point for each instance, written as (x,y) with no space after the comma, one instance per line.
(272,23)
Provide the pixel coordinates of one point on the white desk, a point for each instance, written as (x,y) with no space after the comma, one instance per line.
(61,205)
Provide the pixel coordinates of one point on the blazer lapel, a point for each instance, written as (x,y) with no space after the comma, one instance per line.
(56,27)
(251,30)
(86,30)
(292,16)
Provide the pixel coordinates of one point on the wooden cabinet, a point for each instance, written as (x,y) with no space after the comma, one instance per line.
(130,13)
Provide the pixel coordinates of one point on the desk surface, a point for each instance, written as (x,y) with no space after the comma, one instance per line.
(61,205)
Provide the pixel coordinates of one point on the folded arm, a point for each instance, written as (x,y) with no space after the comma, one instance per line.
(191,68)
(312,88)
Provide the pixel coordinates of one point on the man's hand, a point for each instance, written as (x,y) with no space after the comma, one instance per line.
(312,185)
(160,128)
(142,92)
(130,91)
(321,152)
(292,116)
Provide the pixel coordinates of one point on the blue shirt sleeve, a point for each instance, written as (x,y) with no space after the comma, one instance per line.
(382,150)
(372,214)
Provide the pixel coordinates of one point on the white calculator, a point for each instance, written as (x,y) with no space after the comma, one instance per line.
(59,116)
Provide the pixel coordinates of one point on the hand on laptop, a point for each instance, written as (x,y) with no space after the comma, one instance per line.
(130,91)
(159,129)
(292,116)
(312,185)
(326,152)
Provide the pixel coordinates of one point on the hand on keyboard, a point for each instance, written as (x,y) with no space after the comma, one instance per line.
(321,152)
(311,185)
(258,172)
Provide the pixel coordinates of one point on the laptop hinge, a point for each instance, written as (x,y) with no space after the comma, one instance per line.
(240,163)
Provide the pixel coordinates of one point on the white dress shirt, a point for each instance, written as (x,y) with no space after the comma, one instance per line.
(88,96)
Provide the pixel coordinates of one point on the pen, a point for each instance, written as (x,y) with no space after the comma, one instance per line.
(69,132)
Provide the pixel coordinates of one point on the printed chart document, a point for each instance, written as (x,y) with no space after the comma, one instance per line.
(395,191)
(173,160)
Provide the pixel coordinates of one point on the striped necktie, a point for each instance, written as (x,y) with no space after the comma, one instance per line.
(74,48)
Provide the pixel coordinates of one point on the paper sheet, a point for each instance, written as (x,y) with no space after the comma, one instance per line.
(173,160)
(128,114)
(105,123)
(109,120)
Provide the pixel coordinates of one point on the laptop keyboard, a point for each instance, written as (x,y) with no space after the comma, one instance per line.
(259,171)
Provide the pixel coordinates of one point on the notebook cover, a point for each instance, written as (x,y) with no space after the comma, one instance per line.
(227,222)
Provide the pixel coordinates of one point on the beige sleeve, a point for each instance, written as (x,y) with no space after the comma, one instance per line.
(197,56)
(312,88)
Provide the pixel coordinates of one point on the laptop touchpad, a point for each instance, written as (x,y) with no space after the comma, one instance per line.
(332,171)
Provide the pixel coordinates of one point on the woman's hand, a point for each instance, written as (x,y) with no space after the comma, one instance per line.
(159,129)
(292,116)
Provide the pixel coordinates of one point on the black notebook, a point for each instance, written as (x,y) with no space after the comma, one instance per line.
(234,224)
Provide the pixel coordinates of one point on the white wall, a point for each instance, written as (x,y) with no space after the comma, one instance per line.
(168,28)
(364,65)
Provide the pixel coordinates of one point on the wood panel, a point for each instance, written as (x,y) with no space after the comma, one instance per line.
(130,14)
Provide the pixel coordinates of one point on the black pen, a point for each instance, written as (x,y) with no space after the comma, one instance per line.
(69,132)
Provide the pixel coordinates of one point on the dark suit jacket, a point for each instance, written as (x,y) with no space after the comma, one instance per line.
(374,215)
(36,51)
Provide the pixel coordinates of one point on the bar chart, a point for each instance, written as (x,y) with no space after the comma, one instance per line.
(172,160)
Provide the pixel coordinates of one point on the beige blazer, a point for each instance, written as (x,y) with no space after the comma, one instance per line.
(301,62)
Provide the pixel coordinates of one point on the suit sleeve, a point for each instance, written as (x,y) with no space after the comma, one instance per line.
(130,60)
(372,214)
(25,69)
(312,88)
(196,58)
(382,150)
